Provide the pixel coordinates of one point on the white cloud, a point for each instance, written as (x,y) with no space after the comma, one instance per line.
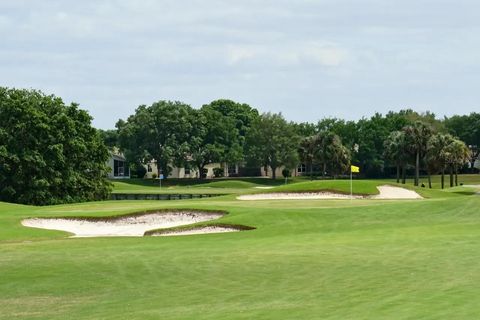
(276,54)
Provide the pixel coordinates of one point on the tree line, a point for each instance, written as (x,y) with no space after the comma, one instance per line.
(174,133)
(50,153)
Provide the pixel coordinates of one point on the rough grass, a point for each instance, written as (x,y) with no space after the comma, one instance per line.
(333,259)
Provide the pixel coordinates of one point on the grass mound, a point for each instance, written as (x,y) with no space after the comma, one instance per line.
(360,187)
(238,227)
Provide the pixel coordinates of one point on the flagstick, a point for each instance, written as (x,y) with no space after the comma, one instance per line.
(351,185)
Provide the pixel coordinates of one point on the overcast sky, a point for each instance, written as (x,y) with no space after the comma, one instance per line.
(306,59)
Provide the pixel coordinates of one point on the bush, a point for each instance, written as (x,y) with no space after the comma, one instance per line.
(49,151)
(218,172)
(286,173)
(154,176)
(139,170)
(249,172)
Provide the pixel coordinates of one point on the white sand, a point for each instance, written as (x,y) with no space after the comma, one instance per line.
(390,192)
(296,196)
(264,187)
(132,226)
(386,192)
(202,230)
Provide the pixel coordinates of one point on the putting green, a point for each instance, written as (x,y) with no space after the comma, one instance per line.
(315,259)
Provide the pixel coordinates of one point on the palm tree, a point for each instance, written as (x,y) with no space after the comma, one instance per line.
(396,150)
(306,152)
(418,133)
(340,156)
(457,154)
(435,158)
(323,152)
(328,151)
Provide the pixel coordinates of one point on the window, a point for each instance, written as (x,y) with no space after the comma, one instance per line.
(187,171)
(118,168)
(149,168)
(302,168)
(232,169)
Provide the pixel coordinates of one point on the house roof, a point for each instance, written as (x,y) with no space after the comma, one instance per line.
(118,157)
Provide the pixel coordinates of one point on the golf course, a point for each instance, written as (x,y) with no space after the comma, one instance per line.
(302,259)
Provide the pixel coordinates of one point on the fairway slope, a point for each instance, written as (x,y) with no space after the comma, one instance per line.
(127,226)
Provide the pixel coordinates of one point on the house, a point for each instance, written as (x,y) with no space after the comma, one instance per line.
(119,166)
(182,172)
(299,171)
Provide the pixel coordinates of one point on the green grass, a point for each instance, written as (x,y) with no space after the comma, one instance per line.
(192,186)
(317,259)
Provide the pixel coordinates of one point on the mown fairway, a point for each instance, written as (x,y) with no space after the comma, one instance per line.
(317,259)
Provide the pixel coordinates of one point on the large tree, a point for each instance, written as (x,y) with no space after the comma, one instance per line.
(241,114)
(396,152)
(467,129)
(457,155)
(418,134)
(157,132)
(49,152)
(306,152)
(272,142)
(213,138)
(436,157)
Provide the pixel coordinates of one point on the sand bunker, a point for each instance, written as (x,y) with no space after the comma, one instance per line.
(126,226)
(296,196)
(391,192)
(385,192)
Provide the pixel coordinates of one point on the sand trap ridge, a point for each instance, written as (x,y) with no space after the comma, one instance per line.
(132,225)
(385,192)
(199,230)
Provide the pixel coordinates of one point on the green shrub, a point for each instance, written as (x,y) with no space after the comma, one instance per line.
(218,172)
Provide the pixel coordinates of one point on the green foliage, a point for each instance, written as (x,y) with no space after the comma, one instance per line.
(139,170)
(213,138)
(467,129)
(218,172)
(272,142)
(159,131)
(286,173)
(49,152)
(109,137)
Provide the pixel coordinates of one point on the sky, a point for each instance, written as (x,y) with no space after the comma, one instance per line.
(307,59)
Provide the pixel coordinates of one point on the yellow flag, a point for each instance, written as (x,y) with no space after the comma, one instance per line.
(355,169)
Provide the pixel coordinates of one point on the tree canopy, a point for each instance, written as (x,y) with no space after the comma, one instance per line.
(49,152)
(272,143)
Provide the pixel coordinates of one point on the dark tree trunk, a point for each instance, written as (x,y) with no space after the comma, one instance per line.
(417,168)
(398,173)
(429,180)
(443,178)
(451,176)
(274,173)
(324,169)
(404,174)
(200,171)
(456,176)
(311,170)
